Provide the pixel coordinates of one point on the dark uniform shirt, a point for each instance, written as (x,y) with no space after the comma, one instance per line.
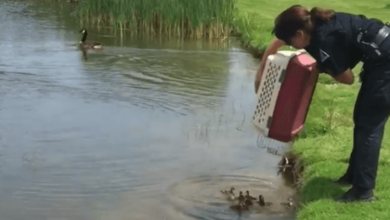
(335,45)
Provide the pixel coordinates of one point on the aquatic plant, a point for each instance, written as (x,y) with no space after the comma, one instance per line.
(173,18)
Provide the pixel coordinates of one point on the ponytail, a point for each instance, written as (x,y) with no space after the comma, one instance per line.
(320,14)
(297,18)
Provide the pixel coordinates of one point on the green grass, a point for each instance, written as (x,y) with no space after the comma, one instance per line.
(255,17)
(325,150)
(174,18)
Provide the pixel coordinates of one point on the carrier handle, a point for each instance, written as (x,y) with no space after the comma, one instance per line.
(292,54)
(301,51)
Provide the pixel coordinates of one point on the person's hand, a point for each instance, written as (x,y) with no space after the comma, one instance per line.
(272,49)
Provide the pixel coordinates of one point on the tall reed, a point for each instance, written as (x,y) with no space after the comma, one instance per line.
(173,18)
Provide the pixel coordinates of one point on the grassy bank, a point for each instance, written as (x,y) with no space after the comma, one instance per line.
(324,152)
(255,17)
(173,18)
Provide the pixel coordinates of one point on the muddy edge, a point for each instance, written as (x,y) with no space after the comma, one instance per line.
(291,168)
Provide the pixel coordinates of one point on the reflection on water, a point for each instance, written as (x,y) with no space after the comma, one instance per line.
(143,130)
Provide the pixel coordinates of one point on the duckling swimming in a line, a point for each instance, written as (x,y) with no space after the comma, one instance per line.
(239,207)
(248,199)
(287,204)
(241,198)
(229,194)
(261,201)
(226,191)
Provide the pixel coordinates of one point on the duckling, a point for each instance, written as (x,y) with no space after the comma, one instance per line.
(241,198)
(248,202)
(229,194)
(283,164)
(287,204)
(239,207)
(241,204)
(86,45)
(249,197)
(261,201)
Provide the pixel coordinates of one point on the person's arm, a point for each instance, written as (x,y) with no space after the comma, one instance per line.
(336,59)
(346,77)
(272,49)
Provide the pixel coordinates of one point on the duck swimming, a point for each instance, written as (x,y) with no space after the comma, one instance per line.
(87,45)
(241,198)
(283,164)
(239,207)
(261,201)
(248,199)
(229,194)
(287,204)
(248,202)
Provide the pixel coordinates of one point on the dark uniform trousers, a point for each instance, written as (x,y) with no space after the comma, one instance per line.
(371,113)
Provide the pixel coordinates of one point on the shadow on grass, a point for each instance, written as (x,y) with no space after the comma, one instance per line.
(345,160)
(380,162)
(320,188)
